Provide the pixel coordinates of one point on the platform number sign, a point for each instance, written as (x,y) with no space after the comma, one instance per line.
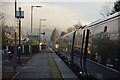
(20,14)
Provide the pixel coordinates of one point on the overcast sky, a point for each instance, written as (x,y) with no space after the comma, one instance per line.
(57,14)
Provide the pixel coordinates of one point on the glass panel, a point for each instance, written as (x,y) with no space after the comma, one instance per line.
(104,47)
(65,44)
(78,42)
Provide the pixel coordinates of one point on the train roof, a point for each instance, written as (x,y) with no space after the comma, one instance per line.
(73,32)
(117,14)
(67,34)
(105,19)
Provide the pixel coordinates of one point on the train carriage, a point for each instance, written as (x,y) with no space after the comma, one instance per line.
(95,48)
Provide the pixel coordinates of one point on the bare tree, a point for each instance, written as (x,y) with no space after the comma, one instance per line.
(54,36)
(1,16)
(63,33)
(70,29)
(78,25)
(117,6)
(106,10)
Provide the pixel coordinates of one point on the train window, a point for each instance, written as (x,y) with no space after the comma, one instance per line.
(101,49)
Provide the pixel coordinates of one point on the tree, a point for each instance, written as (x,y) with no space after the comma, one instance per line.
(1,16)
(32,41)
(4,42)
(54,36)
(105,11)
(70,29)
(63,33)
(117,6)
(78,25)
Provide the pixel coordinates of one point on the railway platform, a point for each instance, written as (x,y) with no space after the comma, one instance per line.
(45,65)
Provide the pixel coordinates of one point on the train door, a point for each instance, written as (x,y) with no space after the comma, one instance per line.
(79,50)
(76,48)
(83,51)
(72,50)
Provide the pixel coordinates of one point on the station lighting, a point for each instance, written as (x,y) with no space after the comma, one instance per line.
(32,15)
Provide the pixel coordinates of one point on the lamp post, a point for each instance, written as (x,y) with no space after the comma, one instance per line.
(40,29)
(40,26)
(31,26)
(15,53)
(32,15)
(19,47)
(15,48)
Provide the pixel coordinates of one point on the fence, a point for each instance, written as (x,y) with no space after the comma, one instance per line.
(25,49)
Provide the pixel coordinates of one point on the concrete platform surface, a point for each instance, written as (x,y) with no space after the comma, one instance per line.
(40,67)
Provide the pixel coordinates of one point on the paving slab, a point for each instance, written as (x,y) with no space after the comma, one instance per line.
(45,65)
(65,71)
(37,67)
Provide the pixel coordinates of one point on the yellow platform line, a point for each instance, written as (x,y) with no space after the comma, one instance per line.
(55,72)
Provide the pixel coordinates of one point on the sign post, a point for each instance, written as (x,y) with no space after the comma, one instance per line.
(15,54)
(15,48)
(19,15)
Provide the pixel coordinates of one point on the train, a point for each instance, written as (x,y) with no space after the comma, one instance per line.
(94,49)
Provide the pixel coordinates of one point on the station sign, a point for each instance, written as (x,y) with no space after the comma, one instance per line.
(19,14)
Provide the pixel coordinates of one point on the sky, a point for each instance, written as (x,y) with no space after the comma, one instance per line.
(59,14)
